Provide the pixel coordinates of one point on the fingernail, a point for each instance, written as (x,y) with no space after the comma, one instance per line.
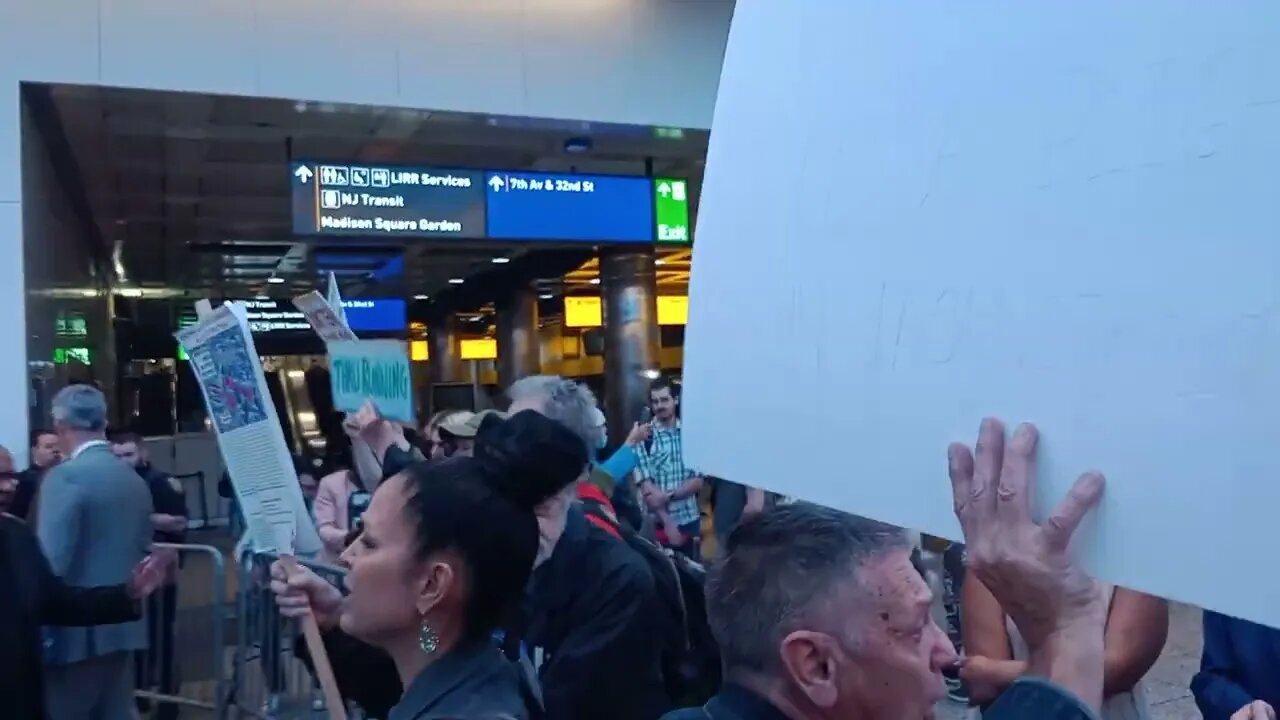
(952,669)
(1022,432)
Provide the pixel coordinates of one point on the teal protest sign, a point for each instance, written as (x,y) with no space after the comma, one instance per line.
(376,370)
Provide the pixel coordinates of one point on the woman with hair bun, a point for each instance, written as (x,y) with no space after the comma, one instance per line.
(445,556)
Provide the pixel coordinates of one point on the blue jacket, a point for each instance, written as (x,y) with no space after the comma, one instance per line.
(1240,664)
(625,505)
(622,462)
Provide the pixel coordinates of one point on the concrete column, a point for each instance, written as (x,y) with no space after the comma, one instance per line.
(631,340)
(518,351)
(106,365)
(442,337)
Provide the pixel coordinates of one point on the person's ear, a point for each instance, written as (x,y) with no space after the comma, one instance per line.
(808,658)
(436,583)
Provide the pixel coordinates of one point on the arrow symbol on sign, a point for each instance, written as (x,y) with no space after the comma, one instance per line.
(496,183)
(304,174)
(664,189)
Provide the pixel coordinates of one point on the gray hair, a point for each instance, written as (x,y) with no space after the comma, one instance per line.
(562,400)
(81,407)
(777,568)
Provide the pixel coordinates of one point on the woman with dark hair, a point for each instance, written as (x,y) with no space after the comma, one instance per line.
(445,555)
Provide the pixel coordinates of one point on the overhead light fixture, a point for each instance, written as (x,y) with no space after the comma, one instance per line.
(577,145)
(659,262)
(500,260)
(595,281)
(456,281)
(421,297)
(131,292)
(275,280)
(545,296)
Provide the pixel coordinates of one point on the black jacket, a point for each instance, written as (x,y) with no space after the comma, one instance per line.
(32,596)
(167,498)
(24,496)
(1028,698)
(592,627)
(590,619)
(472,681)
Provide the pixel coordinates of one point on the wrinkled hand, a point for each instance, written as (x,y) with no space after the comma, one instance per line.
(1256,710)
(305,593)
(1026,566)
(1054,604)
(148,575)
(639,434)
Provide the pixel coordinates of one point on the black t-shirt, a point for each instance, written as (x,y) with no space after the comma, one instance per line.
(25,494)
(167,498)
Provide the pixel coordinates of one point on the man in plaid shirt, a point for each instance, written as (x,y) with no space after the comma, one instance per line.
(669,486)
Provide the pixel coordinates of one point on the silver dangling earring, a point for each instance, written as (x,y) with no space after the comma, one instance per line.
(428,641)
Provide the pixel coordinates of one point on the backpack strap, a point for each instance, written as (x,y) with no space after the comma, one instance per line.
(530,688)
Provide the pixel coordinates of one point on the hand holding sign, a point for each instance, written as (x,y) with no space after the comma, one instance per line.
(1055,605)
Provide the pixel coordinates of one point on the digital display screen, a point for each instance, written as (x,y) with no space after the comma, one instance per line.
(430,202)
(380,315)
(371,315)
(403,201)
(589,208)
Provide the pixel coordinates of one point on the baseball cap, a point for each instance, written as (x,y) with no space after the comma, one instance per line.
(459,424)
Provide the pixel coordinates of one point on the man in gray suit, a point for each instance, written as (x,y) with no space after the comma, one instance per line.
(95,525)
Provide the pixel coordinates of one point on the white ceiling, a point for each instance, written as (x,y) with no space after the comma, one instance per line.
(192,190)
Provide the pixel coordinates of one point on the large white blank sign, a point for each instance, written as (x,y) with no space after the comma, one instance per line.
(920,213)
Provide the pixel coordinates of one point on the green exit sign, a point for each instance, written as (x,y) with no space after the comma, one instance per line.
(671,202)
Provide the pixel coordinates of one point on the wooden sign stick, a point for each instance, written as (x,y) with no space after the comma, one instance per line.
(319,657)
(310,629)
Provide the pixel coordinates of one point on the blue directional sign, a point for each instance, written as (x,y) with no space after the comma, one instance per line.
(551,206)
(366,200)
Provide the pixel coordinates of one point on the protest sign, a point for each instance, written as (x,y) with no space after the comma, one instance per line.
(1053,212)
(374,370)
(334,298)
(325,320)
(226,365)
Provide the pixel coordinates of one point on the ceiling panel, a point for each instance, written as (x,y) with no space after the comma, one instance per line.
(194,188)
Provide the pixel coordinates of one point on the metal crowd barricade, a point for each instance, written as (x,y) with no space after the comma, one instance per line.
(268,679)
(182,673)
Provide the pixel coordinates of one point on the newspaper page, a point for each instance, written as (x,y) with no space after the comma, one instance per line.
(323,318)
(225,362)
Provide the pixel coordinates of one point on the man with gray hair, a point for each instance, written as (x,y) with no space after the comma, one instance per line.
(561,399)
(574,405)
(95,526)
(821,615)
